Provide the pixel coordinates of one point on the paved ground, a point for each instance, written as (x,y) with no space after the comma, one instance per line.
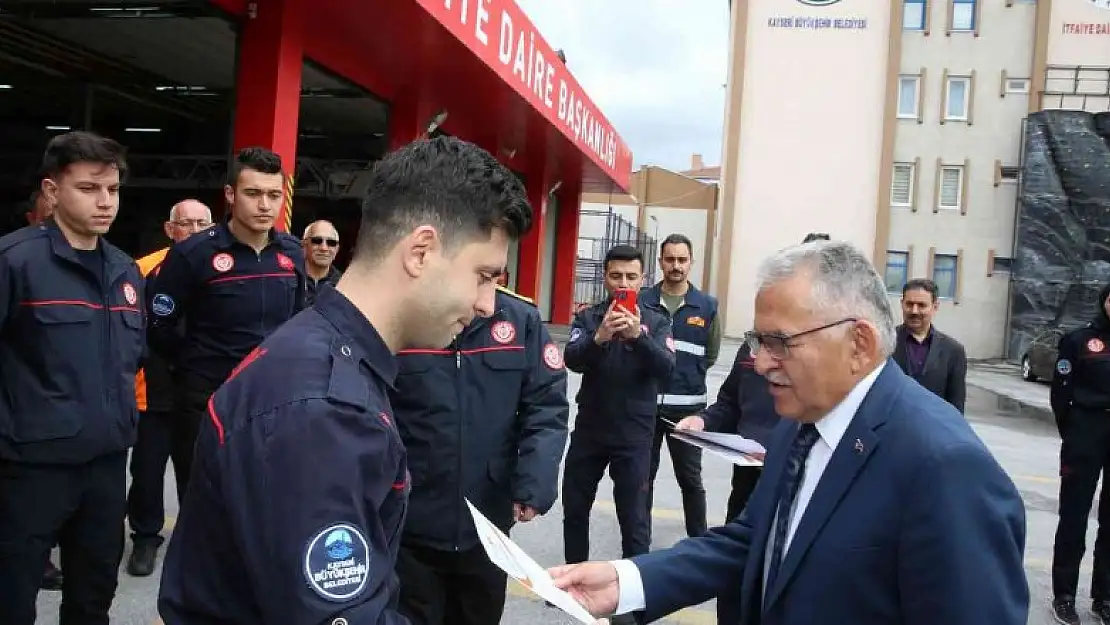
(1027,448)
(1015,394)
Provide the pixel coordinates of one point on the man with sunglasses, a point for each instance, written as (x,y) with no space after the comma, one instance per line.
(321,244)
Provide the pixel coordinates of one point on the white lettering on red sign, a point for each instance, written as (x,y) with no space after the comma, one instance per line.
(520,50)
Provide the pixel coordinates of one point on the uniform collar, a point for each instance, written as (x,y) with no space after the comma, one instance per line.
(349,320)
(221,232)
(61,247)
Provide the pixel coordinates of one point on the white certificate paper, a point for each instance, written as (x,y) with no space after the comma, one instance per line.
(731,447)
(519,566)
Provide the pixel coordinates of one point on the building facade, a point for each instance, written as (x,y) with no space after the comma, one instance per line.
(897,125)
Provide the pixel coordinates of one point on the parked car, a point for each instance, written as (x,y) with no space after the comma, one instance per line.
(1039,361)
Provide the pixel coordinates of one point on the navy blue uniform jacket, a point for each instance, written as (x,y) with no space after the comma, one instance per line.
(297,499)
(913,522)
(69,349)
(620,379)
(231,298)
(744,404)
(484,419)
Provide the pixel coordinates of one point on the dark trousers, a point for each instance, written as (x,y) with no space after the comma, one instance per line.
(191,400)
(1084,457)
(162,437)
(629,467)
(450,587)
(78,507)
(744,480)
(686,460)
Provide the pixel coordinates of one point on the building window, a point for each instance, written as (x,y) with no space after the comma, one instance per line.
(1017,85)
(951,187)
(956,100)
(897,270)
(913,15)
(1002,264)
(901,185)
(1009,174)
(908,87)
(963,15)
(944,274)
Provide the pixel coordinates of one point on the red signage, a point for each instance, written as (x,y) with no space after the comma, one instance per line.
(499,33)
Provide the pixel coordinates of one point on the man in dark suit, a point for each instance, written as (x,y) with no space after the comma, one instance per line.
(937,361)
(878,504)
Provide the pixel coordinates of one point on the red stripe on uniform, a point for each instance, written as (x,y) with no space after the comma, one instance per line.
(253,276)
(80,303)
(215,419)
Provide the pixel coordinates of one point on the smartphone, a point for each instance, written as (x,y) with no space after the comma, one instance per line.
(626,299)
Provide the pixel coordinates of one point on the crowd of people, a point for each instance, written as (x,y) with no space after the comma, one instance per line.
(328,429)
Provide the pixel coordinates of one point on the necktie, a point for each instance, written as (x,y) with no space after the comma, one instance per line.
(795,467)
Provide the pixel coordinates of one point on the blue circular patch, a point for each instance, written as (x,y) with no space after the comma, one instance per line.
(337,562)
(1063,366)
(162,305)
(574,334)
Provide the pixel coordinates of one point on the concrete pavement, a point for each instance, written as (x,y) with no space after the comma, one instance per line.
(1026,447)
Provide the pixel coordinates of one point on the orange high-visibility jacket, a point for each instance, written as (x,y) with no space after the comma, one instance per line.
(147,264)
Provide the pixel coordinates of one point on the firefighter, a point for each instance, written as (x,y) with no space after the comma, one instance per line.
(233,285)
(1080,400)
(697,340)
(295,513)
(484,419)
(159,440)
(624,358)
(71,342)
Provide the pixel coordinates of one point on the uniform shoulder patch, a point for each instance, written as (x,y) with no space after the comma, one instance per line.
(552,357)
(337,562)
(162,305)
(515,295)
(1063,366)
(575,334)
(1095,345)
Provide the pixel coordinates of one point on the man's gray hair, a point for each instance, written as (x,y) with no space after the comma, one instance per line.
(845,284)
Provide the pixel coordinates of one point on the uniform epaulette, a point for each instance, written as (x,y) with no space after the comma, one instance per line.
(515,294)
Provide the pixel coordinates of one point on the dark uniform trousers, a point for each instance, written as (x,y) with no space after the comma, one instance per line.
(686,462)
(744,480)
(163,436)
(1084,457)
(450,587)
(630,469)
(84,516)
(191,399)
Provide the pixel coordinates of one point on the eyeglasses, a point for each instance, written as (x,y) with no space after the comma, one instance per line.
(199,224)
(778,344)
(322,240)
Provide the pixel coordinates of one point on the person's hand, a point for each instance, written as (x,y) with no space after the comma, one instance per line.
(593,584)
(631,328)
(523,513)
(693,423)
(612,323)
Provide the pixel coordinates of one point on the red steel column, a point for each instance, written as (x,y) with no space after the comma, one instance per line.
(566,247)
(268,87)
(530,255)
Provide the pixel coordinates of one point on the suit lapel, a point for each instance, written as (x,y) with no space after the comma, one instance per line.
(900,349)
(849,457)
(932,355)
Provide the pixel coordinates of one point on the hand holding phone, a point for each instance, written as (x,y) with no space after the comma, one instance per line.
(626,299)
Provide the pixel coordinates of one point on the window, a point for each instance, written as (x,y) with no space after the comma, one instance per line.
(908,96)
(944,274)
(913,15)
(901,185)
(1002,264)
(951,187)
(963,15)
(897,270)
(1017,85)
(956,99)
(1009,174)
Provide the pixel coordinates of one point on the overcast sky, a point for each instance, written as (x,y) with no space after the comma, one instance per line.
(656,68)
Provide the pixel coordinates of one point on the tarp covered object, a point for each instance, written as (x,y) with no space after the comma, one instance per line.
(1063,229)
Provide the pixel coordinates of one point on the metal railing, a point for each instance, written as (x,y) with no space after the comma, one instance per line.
(1076,87)
(589,268)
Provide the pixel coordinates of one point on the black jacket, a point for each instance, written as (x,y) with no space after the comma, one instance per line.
(945,372)
(1082,378)
(484,419)
(620,379)
(70,346)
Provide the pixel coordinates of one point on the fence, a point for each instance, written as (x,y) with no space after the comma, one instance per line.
(600,231)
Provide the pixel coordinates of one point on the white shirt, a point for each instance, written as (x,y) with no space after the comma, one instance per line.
(831,429)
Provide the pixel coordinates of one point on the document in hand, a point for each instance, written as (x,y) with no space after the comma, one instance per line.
(512,559)
(731,447)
